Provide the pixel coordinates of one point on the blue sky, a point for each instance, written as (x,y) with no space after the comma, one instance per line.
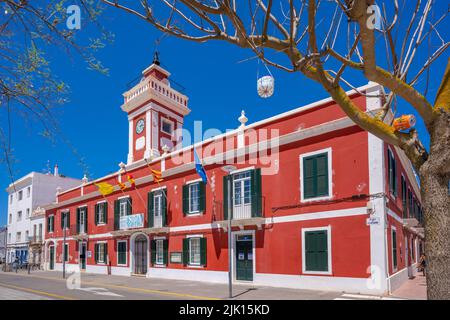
(218,84)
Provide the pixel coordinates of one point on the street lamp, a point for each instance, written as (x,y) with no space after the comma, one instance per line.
(64,244)
(228,169)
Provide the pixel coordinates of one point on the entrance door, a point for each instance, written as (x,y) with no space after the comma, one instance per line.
(52,258)
(140,255)
(244,258)
(83,250)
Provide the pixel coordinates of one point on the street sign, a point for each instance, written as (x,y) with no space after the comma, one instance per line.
(373,221)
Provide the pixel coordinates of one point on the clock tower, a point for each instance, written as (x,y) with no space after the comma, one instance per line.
(155,114)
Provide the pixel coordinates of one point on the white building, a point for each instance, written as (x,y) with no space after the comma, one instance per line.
(25,195)
(3,232)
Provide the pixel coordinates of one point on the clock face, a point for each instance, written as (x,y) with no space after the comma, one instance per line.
(140,126)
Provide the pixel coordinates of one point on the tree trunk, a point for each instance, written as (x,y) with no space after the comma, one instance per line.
(434,176)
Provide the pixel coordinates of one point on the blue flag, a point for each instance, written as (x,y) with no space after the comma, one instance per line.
(199,168)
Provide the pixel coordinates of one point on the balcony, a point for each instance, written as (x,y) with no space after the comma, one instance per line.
(245,211)
(78,232)
(35,240)
(153,89)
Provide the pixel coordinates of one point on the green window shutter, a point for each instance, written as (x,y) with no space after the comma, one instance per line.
(68,219)
(316,250)
(150,214)
(202,196)
(116,214)
(165,251)
(308,178)
(78,220)
(153,251)
(96,252)
(256,195)
(315,176)
(164,208)
(121,248)
(62,220)
(105,212)
(203,253)
(48,224)
(53,223)
(96,214)
(129,206)
(322,174)
(226,196)
(186,251)
(106,252)
(322,250)
(185,199)
(310,249)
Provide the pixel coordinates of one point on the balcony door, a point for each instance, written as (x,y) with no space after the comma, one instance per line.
(158,209)
(242,199)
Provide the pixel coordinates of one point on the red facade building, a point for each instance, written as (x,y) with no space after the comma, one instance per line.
(315,202)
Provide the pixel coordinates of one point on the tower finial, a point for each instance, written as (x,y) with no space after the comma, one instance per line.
(156,58)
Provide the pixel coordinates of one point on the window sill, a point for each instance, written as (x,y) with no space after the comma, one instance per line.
(159,266)
(194,266)
(320,198)
(194,214)
(122,265)
(319,273)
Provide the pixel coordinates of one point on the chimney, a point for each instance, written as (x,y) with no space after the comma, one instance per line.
(56,174)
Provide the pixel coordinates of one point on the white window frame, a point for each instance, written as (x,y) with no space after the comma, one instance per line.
(27,215)
(123,203)
(394,268)
(199,251)
(171,125)
(329,251)
(159,246)
(18,236)
(126,252)
(10,218)
(28,192)
(102,205)
(19,215)
(10,199)
(329,152)
(52,225)
(20,195)
(104,252)
(190,211)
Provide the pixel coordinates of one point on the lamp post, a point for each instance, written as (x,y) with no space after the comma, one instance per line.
(64,245)
(228,169)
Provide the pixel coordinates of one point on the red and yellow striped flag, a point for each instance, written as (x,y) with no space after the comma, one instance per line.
(157,175)
(131,180)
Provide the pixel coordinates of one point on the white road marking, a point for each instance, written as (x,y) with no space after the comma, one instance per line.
(349,296)
(100,291)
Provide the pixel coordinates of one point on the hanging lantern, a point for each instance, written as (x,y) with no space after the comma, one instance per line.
(265,86)
(404,122)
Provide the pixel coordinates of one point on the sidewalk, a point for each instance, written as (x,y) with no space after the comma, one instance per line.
(415,288)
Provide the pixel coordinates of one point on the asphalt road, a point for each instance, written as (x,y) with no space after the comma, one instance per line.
(51,285)
(58,289)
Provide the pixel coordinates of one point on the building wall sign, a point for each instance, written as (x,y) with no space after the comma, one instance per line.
(176,257)
(132,221)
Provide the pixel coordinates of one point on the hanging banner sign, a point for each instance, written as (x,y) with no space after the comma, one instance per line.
(132,221)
